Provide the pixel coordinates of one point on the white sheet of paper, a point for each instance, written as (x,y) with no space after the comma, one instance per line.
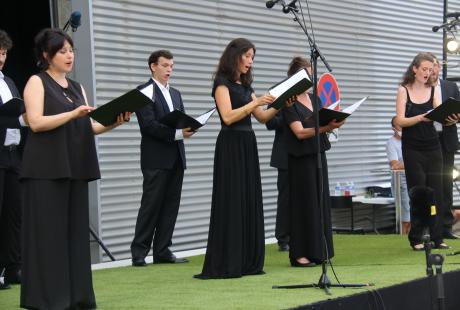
(148,91)
(203,118)
(354,106)
(283,87)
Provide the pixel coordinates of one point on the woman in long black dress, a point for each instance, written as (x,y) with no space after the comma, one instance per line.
(236,233)
(305,243)
(59,160)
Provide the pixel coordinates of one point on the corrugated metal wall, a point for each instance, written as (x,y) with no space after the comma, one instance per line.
(367,43)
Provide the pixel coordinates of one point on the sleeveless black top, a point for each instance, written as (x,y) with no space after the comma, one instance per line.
(296,147)
(422,136)
(239,96)
(68,151)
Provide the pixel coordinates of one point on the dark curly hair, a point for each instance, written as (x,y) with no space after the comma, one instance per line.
(5,41)
(49,41)
(298,63)
(409,75)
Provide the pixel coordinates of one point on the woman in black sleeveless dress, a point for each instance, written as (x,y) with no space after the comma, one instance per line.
(59,160)
(421,149)
(236,244)
(305,236)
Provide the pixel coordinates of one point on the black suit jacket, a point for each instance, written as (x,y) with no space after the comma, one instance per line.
(11,122)
(159,150)
(449,136)
(279,157)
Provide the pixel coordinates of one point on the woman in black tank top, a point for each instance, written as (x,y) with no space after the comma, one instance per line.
(58,162)
(421,150)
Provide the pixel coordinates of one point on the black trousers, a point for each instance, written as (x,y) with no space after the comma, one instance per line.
(447,183)
(282,210)
(10,212)
(56,272)
(424,168)
(158,212)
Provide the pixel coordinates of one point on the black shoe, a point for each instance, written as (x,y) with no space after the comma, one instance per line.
(169,260)
(138,262)
(283,247)
(450,235)
(13,277)
(295,263)
(4,286)
(442,246)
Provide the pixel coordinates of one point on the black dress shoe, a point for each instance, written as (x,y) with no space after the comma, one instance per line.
(4,286)
(450,235)
(283,247)
(138,262)
(169,260)
(13,277)
(442,246)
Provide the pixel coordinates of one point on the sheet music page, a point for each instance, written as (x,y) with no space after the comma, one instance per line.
(332,106)
(354,106)
(284,86)
(203,118)
(148,91)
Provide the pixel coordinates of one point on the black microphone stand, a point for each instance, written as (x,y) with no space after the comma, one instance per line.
(324,282)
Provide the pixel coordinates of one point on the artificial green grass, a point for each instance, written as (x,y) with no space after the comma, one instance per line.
(381,259)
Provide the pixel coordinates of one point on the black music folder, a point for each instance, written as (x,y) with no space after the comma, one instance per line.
(448,107)
(291,86)
(326,115)
(129,102)
(179,120)
(13,107)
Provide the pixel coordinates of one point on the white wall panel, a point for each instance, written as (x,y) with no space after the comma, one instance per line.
(367,43)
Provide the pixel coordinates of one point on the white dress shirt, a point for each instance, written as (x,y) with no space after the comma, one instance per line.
(437,125)
(167,96)
(13,135)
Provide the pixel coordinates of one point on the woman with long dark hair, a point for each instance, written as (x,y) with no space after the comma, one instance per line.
(305,237)
(236,244)
(59,160)
(421,148)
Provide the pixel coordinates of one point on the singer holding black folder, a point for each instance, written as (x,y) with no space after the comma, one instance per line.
(58,162)
(162,164)
(305,238)
(236,240)
(421,149)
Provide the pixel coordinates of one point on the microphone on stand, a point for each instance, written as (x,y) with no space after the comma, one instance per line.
(446,25)
(74,21)
(290,6)
(271,3)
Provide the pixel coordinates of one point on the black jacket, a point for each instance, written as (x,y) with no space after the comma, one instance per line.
(279,157)
(449,137)
(12,122)
(159,150)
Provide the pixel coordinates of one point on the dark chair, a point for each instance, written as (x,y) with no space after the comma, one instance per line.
(345,202)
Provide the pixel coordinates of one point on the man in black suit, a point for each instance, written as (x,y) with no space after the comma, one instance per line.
(449,144)
(162,165)
(279,160)
(12,134)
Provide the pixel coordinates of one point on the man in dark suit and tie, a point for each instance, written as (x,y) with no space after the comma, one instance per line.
(162,165)
(12,134)
(279,160)
(449,144)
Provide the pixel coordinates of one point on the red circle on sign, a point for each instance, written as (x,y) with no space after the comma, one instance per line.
(328,90)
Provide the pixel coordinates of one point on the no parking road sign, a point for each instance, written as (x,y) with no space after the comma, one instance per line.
(328,90)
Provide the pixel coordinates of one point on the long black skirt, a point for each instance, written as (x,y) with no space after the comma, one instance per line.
(56,270)
(305,222)
(236,241)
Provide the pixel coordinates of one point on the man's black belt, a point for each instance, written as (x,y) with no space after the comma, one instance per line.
(10,148)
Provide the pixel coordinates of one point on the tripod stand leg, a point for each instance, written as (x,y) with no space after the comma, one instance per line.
(95,236)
